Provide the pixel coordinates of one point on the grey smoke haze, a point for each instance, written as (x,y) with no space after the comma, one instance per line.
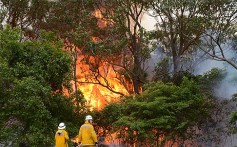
(156,56)
(228,86)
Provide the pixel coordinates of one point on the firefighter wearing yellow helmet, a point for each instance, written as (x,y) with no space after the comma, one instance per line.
(87,136)
(61,136)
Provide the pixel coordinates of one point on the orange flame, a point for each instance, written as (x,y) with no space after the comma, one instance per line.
(95,94)
(101,21)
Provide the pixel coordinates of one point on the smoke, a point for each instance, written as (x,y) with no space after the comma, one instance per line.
(200,65)
(156,56)
(147,21)
(228,86)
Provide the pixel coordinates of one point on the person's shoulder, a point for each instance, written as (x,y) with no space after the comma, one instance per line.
(86,125)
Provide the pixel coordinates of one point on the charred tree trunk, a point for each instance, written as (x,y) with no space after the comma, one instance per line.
(137,69)
(135,79)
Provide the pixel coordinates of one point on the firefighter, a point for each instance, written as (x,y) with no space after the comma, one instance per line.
(87,136)
(61,136)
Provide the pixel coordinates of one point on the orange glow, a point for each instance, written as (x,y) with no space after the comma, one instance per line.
(96,95)
(92,73)
(97,79)
(102,23)
(97,14)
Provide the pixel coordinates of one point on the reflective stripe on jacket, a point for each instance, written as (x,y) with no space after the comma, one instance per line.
(87,135)
(61,137)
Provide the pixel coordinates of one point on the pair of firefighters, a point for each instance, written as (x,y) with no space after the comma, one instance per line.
(86,137)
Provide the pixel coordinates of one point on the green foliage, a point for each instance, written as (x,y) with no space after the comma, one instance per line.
(162,109)
(108,115)
(33,76)
(27,105)
(233,120)
(211,79)
(233,117)
(162,71)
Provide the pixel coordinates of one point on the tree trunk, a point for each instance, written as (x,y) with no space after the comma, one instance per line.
(176,64)
(136,76)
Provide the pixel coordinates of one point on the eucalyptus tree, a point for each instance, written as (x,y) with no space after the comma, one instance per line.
(103,41)
(182,26)
(123,42)
(179,25)
(64,18)
(206,26)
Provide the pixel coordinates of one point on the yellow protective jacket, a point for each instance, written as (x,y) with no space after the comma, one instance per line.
(87,135)
(61,137)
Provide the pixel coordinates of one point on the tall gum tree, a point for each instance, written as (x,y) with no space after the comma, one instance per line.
(128,39)
(182,25)
(64,17)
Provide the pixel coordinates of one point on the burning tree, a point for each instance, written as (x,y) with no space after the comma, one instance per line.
(110,57)
(112,45)
(124,38)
